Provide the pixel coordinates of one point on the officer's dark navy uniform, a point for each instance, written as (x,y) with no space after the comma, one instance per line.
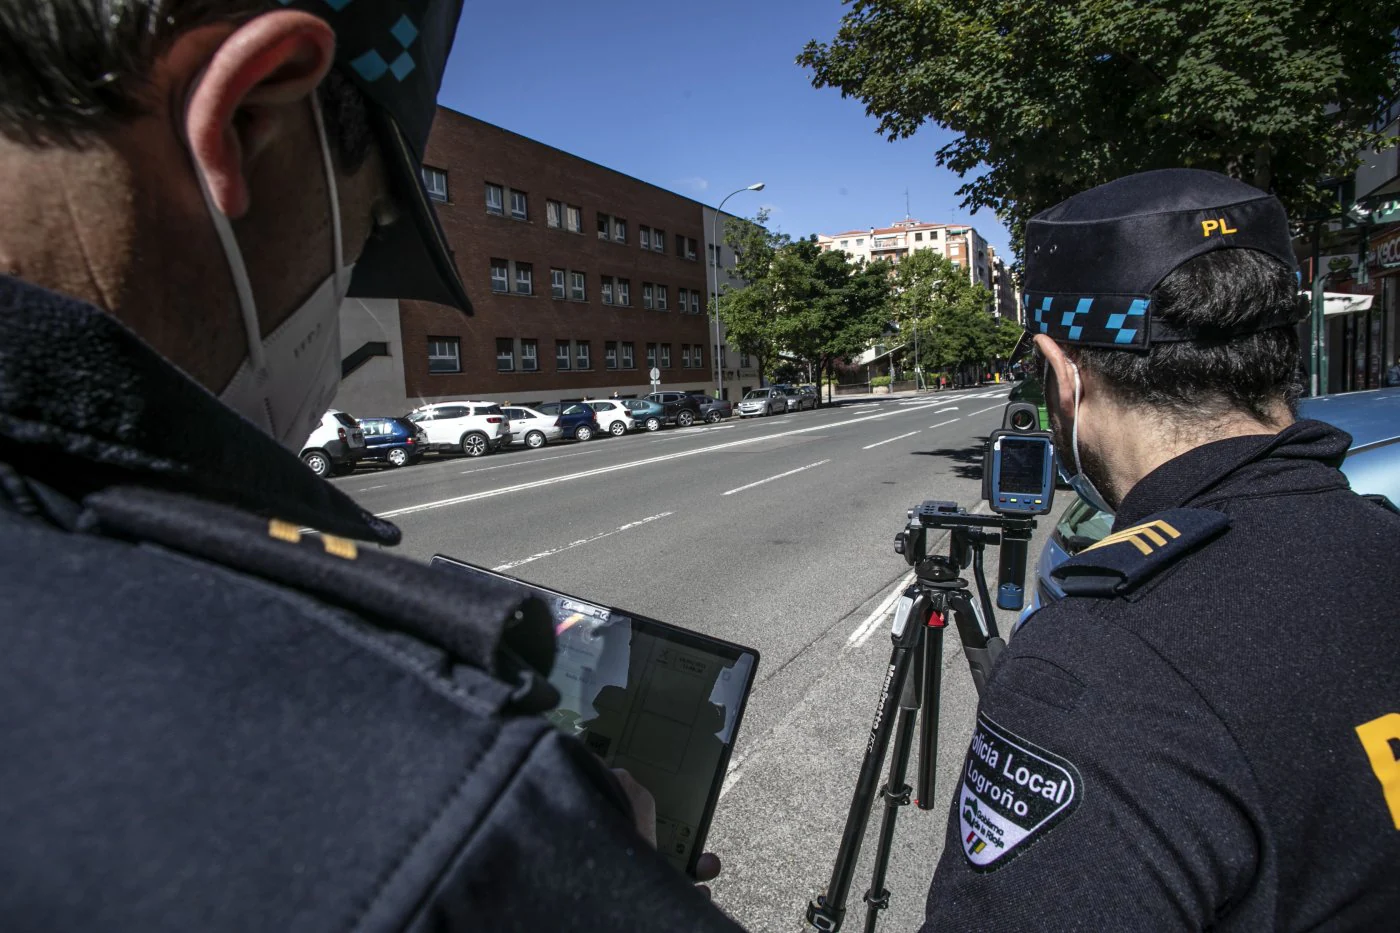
(212,719)
(1204,733)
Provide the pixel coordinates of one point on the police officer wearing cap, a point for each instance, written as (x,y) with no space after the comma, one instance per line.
(1204,733)
(210,718)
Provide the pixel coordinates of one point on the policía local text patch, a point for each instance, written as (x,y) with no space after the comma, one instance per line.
(1013,792)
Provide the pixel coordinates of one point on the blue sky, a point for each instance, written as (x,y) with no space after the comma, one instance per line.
(700,98)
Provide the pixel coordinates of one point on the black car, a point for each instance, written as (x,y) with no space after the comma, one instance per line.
(681,408)
(714,409)
(395,441)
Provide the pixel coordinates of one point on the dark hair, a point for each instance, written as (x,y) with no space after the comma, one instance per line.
(1215,375)
(71,69)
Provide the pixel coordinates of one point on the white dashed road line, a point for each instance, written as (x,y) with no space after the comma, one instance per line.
(779,476)
(580,543)
(872,622)
(942,423)
(890,440)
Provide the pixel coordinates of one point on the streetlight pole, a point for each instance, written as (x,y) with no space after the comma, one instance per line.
(714,239)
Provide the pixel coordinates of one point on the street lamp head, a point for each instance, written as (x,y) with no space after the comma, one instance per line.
(757,187)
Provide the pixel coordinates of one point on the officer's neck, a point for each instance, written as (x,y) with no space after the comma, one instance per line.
(105,224)
(1131,442)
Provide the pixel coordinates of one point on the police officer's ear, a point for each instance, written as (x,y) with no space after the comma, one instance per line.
(252,92)
(1063,369)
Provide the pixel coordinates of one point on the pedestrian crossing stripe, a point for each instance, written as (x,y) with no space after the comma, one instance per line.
(1143,537)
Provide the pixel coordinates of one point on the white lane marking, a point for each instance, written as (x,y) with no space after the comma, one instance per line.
(890,440)
(581,542)
(368,488)
(506,466)
(779,476)
(872,622)
(949,408)
(781,421)
(988,408)
(536,484)
(942,423)
(718,427)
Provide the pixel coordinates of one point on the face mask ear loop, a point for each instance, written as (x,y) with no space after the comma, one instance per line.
(233,255)
(1074,431)
(331,190)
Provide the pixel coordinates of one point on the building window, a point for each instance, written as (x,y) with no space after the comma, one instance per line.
(691,245)
(573,219)
(723,357)
(444,355)
(495,199)
(581,357)
(524,279)
(658,241)
(529,355)
(624,292)
(500,275)
(860,241)
(680,245)
(651,356)
(505,355)
(604,226)
(556,283)
(661,298)
(713,250)
(607,289)
(518,206)
(685,356)
(435,180)
(619,230)
(695,302)
(683,299)
(699,357)
(561,355)
(645,235)
(918,236)
(845,243)
(610,354)
(665,356)
(554,213)
(628,362)
(578,287)
(648,302)
(744,360)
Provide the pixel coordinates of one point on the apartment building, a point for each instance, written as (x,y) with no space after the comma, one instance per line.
(582,279)
(961,244)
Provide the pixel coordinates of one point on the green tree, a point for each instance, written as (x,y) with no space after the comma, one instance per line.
(1050,97)
(935,301)
(749,311)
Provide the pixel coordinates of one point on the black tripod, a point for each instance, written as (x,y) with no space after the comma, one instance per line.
(917,633)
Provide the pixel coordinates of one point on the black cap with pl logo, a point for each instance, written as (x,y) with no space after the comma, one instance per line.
(1093,260)
(396,51)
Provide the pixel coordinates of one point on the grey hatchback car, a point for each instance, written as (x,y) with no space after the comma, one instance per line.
(769,401)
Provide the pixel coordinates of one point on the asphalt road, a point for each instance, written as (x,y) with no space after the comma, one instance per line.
(775,533)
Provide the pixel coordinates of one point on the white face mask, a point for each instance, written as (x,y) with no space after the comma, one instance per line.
(290,377)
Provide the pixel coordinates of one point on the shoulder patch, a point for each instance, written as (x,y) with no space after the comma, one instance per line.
(1012,793)
(1127,558)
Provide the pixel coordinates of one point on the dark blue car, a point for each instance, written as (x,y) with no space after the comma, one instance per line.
(578,421)
(396,441)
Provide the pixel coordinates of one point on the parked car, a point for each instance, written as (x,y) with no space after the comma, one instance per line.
(1372,466)
(799,399)
(646,415)
(769,401)
(334,446)
(395,441)
(613,416)
(532,428)
(680,408)
(813,391)
(714,409)
(576,419)
(471,428)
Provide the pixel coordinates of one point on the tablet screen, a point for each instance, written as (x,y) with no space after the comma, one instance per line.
(662,702)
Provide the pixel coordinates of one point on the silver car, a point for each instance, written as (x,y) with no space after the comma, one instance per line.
(769,401)
(532,428)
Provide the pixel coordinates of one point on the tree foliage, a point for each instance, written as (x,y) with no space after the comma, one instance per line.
(935,301)
(1050,97)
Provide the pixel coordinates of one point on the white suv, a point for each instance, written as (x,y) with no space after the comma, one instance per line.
(472,428)
(335,445)
(613,417)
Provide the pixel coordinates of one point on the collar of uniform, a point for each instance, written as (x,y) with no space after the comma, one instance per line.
(81,396)
(1182,480)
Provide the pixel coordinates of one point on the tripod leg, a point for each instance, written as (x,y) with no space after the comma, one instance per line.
(896,794)
(828,910)
(932,701)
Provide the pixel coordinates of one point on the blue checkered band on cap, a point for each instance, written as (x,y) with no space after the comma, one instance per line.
(1093,261)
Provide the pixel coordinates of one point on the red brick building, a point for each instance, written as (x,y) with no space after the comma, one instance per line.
(582,278)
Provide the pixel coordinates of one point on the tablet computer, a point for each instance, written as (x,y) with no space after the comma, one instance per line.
(662,702)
